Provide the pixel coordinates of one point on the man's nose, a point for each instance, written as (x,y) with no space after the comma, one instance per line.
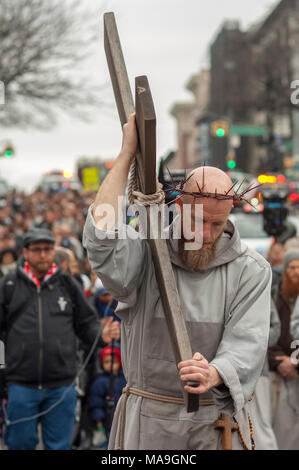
(206,232)
(43,252)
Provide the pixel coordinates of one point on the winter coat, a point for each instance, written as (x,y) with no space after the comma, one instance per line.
(103,309)
(283,346)
(40,342)
(100,390)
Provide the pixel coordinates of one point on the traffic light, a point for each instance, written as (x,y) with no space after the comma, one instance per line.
(8,151)
(219,129)
(231,161)
(231,164)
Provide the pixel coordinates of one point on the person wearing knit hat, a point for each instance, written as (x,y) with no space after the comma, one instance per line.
(285,378)
(289,256)
(100,390)
(106,358)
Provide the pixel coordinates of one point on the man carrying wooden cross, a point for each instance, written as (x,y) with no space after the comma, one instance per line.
(224,289)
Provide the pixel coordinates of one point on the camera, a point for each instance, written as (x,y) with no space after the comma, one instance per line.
(275,212)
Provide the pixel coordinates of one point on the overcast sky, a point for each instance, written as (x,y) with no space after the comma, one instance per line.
(167,40)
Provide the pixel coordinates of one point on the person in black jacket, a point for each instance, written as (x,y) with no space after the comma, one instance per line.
(285,372)
(39,324)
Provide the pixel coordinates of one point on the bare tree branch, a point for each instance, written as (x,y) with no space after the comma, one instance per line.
(45,48)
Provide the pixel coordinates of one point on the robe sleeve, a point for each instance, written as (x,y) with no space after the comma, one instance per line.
(117,257)
(241,353)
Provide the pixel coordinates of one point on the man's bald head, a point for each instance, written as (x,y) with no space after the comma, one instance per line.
(210,180)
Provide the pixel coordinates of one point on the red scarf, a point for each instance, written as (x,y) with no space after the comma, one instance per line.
(33,277)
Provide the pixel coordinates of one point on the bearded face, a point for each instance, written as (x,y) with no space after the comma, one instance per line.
(197,259)
(209,222)
(290,279)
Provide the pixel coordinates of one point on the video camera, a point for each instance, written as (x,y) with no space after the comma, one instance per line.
(275,211)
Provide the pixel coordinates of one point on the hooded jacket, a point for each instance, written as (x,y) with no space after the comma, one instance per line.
(103,309)
(99,392)
(227,313)
(40,342)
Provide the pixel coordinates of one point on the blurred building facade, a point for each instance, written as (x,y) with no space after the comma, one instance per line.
(248,87)
(275,64)
(187,114)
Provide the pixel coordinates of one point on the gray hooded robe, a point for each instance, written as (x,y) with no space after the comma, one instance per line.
(260,407)
(227,312)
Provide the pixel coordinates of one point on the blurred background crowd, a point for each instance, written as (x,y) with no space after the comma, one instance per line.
(64,213)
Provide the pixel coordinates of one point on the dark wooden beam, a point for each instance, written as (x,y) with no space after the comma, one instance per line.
(146,161)
(117,69)
(146,126)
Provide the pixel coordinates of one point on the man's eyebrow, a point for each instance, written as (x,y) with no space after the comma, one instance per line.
(203,219)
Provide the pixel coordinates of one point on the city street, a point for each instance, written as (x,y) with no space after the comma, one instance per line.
(149,227)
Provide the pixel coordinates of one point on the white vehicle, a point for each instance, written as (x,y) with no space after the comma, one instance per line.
(250,228)
(60,181)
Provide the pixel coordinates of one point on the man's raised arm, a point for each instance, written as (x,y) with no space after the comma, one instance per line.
(117,260)
(115,182)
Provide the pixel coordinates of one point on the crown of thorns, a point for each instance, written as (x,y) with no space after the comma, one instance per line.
(237,196)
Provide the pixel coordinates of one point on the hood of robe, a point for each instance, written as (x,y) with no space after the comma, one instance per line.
(229,246)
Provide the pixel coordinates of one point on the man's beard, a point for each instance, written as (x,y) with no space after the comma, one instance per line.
(197,259)
(41,268)
(289,288)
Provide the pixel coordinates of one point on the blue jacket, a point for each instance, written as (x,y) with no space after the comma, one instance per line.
(99,391)
(102,309)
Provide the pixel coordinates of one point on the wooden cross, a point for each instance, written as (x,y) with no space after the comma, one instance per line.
(146,166)
(228,426)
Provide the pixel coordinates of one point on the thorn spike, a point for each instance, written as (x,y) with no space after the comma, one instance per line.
(241,184)
(231,188)
(199,190)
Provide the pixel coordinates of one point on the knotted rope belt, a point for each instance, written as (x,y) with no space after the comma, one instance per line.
(152,396)
(165,399)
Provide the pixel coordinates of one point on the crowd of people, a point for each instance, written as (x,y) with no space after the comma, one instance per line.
(41,237)
(276,393)
(63,213)
(31,226)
